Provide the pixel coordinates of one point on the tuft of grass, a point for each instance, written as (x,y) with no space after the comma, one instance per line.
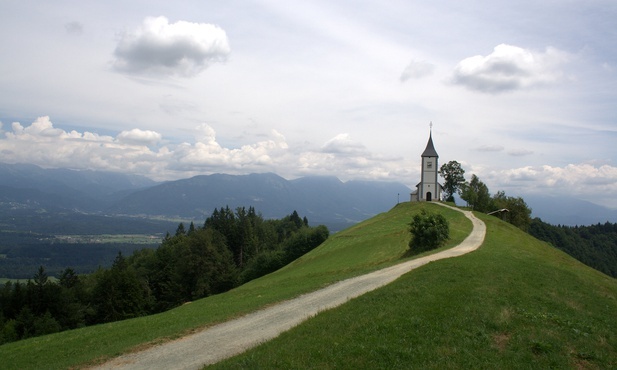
(376,243)
(514,303)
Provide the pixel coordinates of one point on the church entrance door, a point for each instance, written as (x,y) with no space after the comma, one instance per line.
(429,196)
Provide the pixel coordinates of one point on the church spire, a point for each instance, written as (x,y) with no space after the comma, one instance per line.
(430,148)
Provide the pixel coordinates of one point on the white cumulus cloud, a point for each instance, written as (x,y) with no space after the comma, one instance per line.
(582,180)
(43,144)
(208,155)
(343,144)
(345,158)
(139,137)
(145,152)
(509,68)
(179,49)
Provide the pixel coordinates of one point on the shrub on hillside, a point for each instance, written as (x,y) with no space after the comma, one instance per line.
(265,263)
(428,231)
(300,243)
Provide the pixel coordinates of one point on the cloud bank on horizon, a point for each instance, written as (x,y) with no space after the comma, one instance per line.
(522,95)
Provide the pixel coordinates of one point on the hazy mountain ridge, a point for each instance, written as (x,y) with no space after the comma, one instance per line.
(323,199)
(569,211)
(199,195)
(64,188)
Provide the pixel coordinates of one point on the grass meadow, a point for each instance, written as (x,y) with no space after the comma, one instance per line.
(515,303)
(378,242)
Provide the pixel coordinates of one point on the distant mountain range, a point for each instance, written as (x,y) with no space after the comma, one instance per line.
(90,191)
(568,211)
(323,200)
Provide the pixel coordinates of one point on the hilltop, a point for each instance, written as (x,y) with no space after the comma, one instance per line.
(514,302)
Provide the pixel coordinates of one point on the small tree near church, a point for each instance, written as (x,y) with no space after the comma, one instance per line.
(453,175)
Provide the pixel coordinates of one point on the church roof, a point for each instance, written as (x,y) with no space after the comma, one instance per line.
(430,149)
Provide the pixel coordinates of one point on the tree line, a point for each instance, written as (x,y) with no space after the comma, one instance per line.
(229,249)
(594,245)
(477,195)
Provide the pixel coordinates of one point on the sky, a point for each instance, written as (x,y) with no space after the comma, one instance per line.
(523,94)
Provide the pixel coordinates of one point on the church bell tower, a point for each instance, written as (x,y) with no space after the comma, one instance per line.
(429,188)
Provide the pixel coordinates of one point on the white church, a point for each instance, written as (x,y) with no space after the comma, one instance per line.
(428,189)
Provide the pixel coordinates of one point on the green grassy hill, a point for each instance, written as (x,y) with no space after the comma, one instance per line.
(516,302)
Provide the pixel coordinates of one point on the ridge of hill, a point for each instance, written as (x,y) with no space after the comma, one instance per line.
(516,302)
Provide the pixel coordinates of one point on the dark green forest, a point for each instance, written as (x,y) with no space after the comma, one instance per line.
(594,245)
(230,248)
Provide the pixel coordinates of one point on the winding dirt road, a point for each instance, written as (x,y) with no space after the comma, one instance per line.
(233,337)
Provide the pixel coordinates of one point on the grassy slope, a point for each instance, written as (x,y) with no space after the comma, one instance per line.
(375,243)
(514,303)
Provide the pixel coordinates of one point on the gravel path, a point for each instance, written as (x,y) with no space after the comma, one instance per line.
(233,337)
